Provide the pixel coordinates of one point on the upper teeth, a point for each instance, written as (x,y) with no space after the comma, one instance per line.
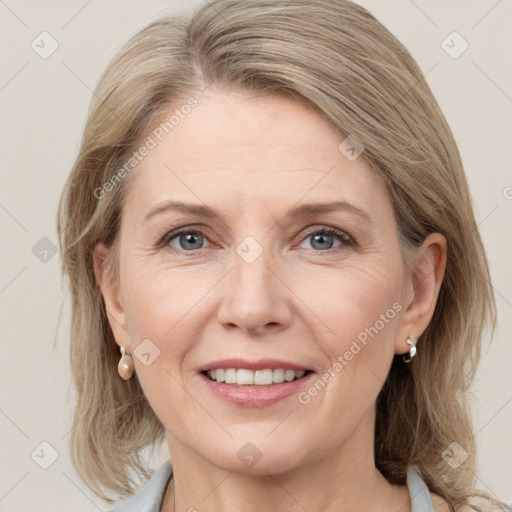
(243,377)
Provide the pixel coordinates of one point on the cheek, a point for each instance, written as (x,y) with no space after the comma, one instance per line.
(170,305)
(154,295)
(351,301)
(154,305)
(360,312)
(159,307)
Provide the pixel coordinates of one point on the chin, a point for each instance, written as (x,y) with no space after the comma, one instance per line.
(273,464)
(256,455)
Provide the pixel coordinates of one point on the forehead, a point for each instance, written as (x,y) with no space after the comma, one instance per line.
(232,150)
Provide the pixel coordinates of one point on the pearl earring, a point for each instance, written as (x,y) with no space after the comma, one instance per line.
(411,340)
(125,366)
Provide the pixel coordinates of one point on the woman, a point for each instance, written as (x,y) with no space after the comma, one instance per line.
(275,268)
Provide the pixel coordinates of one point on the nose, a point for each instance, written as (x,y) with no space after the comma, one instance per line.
(255,299)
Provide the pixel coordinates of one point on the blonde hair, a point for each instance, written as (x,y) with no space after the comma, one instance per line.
(335,57)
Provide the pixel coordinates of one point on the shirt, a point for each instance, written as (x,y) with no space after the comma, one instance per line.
(150,497)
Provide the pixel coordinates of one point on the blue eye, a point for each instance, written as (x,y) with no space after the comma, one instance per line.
(323,239)
(190,240)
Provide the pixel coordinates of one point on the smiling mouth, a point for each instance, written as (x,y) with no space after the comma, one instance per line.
(245,377)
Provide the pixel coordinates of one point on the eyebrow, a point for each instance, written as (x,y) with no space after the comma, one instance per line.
(297,212)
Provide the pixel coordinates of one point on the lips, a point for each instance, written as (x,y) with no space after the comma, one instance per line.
(260,364)
(254,383)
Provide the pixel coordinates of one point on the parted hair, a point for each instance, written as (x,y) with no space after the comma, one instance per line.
(335,57)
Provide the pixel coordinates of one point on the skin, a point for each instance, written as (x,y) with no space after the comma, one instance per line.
(251,160)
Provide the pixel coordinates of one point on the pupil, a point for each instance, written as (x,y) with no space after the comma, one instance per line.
(321,238)
(189,238)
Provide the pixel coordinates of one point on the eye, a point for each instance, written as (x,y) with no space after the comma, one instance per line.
(323,239)
(187,239)
(190,240)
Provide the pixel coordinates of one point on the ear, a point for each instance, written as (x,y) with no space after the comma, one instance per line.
(110,291)
(420,296)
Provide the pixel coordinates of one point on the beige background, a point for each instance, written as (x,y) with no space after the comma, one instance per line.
(43,104)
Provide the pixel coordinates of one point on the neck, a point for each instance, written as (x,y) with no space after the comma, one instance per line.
(345,481)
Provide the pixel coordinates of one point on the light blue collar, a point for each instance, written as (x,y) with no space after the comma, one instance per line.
(150,497)
(420,496)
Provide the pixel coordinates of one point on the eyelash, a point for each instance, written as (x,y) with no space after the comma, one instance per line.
(345,239)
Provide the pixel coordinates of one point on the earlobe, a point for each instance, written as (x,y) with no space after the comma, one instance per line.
(425,284)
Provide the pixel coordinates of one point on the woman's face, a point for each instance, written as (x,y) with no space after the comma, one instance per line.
(262,277)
